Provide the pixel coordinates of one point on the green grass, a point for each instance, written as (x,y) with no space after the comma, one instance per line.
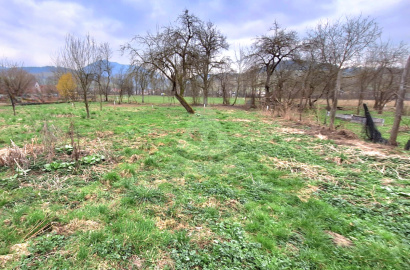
(220,189)
(154,99)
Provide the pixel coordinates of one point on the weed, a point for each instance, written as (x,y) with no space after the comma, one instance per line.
(111,177)
(232,253)
(150,162)
(45,244)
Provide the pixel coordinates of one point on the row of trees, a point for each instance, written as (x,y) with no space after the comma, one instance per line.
(84,71)
(279,66)
(344,57)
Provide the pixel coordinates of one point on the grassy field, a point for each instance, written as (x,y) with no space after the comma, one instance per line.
(169,100)
(152,187)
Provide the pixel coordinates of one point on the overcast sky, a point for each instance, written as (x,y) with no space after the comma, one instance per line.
(31,31)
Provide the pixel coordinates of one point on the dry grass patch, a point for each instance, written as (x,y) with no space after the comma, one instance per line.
(137,262)
(17,250)
(306,170)
(291,248)
(157,135)
(170,224)
(305,194)
(104,134)
(202,236)
(339,240)
(76,225)
(14,155)
(134,158)
(240,120)
(164,261)
(288,130)
(178,181)
(97,169)
(210,202)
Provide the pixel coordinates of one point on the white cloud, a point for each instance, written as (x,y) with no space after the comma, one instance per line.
(366,7)
(33,30)
(337,9)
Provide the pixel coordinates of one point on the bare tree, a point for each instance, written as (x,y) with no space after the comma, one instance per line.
(253,82)
(123,82)
(383,62)
(14,81)
(364,78)
(268,51)
(79,56)
(142,77)
(210,42)
(194,89)
(103,71)
(313,75)
(240,66)
(400,103)
(224,78)
(170,52)
(338,43)
(287,85)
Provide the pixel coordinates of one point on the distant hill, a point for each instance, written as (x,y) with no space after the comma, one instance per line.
(37,70)
(117,67)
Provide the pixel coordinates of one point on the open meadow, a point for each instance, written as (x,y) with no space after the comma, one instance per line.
(153,187)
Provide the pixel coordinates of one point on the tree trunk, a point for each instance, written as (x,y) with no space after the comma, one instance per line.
(13,104)
(400,104)
(253,98)
(301,107)
(142,95)
(303,96)
(205,98)
(183,102)
(335,99)
(100,101)
(206,89)
(86,105)
(361,97)
(267,83)
(380,109)
(236,96)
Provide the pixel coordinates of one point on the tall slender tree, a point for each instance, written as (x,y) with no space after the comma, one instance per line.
(400,103)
